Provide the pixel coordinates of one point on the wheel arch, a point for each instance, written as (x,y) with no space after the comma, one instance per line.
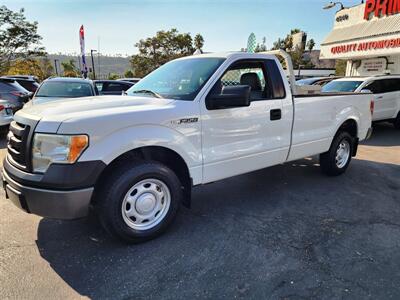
(161,154)
(350,126)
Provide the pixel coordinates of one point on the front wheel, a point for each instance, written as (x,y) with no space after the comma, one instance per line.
(336,161)
(139,201)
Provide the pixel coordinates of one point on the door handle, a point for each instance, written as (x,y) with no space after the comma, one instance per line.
(379,98)
(275,114)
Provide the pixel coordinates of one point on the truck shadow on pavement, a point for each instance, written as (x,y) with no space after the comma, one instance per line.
(282,232)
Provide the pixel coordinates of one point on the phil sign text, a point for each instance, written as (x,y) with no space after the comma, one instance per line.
(381,8)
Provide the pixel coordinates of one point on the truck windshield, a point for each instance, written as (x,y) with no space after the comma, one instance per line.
(179,79)
(341,86)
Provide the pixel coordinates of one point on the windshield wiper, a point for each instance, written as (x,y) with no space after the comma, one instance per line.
(148,92)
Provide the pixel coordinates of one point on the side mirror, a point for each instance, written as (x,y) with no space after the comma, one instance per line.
(365,91)
(231,96)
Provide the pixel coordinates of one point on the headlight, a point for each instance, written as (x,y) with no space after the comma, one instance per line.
(53,148)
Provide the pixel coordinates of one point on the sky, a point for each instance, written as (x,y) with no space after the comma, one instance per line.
(224,24)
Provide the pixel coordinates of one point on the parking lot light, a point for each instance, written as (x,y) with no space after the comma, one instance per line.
(333,4)
(91,54)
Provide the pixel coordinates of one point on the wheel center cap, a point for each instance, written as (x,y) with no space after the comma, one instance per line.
(145,203)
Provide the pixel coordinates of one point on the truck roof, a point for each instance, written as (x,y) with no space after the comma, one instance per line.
(231,55)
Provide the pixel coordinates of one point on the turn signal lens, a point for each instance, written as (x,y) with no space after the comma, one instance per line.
(78,144)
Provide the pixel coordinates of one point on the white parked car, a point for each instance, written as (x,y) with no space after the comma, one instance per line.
(193,121)
(386,90)
(6,114)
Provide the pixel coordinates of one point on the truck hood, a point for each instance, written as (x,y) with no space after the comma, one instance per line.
(40,100)
(54,112)
(67,108)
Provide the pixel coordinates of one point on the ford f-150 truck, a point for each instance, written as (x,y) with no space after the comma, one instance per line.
(134,159)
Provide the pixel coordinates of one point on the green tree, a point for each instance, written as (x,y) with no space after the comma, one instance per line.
(70,69)
(113,76)
(297,54)
(128,74)
(198,42)
(158,50)
(47,67)
(18,38)
(310,45)
(40,68)
(261,47)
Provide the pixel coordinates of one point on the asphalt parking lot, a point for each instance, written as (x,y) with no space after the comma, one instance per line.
(286,232)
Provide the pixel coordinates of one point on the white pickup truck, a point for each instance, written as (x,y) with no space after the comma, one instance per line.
(195,120)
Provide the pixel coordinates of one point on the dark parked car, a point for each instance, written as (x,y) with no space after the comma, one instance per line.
(14,93)
(316,81)
(133,80)
(27,82)
(112,87)
(63,87)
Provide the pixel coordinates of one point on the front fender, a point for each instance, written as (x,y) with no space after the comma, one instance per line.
(111,146)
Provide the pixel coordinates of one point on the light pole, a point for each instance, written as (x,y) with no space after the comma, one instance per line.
(55,65)
(333,4)
(94,73)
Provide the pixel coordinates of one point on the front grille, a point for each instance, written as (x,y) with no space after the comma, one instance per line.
(18,145)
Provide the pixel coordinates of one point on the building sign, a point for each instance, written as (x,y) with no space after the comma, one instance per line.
(366,46)
(381,8)
(373,66)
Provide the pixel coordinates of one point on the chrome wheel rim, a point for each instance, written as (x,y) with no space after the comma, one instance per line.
(342,154)
(146,204)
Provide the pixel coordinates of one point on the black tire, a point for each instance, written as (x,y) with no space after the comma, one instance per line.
(396,122)
(328,160)
(111,197)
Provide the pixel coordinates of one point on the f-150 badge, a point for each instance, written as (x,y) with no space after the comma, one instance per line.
(185,121)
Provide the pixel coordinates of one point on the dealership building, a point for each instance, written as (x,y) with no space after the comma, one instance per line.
(367,36)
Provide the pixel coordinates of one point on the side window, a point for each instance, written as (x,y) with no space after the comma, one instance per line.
(247,73)
(375,87)
(391,85)
(115,87)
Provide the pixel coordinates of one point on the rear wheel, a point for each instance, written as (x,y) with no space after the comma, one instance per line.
(336,161)
(139,201)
